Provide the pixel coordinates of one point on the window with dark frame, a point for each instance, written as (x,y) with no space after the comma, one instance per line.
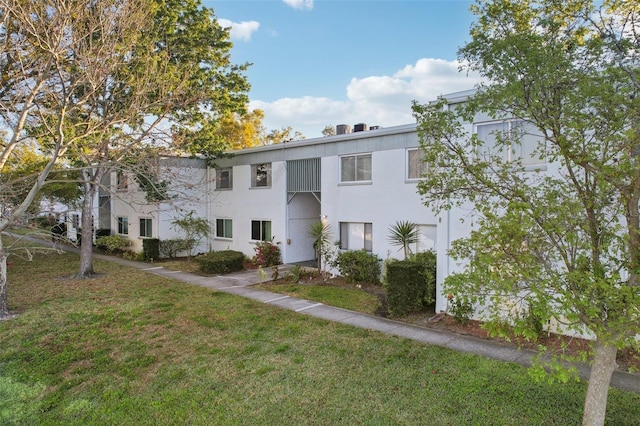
(146,226)
(123,225)
(261,230)
(224,228)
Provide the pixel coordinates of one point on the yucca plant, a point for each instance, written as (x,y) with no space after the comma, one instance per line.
(403,234)
(321,233)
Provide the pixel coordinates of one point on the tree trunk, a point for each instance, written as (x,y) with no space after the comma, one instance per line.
(86,238)
(595,404)
(4,303)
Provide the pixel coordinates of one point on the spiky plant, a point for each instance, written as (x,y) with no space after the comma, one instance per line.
(403,234)
(321,233)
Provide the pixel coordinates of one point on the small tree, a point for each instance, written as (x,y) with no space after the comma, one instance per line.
(403,234)
(321,233)
(194,228)
(563,243)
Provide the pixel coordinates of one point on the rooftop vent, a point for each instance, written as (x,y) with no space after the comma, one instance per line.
(375,127)
(360,127)
(342,129)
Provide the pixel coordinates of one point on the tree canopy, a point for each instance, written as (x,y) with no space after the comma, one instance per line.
(551,176)
(90,80)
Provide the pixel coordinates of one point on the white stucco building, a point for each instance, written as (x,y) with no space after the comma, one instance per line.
(135,217)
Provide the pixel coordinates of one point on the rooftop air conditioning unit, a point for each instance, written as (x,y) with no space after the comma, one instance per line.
(360,127)
(342,129)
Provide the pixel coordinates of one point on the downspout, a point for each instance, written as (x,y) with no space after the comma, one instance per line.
(208,207)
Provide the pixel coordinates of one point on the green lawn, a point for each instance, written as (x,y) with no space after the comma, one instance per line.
(130,348)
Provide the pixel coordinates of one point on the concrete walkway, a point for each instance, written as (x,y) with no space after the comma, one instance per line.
(240,284)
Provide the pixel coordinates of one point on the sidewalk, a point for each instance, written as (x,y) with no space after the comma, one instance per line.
(239,284)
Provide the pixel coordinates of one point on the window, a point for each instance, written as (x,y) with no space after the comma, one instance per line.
(510,140)
(356,236)
(75,220)
(261,230)
(122,181)
(224,178)
(224,228)
(261,175)
(354,168)
(416,167)
(123,225)
(427,238)
(145,227)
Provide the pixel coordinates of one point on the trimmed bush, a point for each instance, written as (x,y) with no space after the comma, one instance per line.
(103,232)
(359,266)
(428,260)
(113,243)
(221,262)
(405,286)
(151,249)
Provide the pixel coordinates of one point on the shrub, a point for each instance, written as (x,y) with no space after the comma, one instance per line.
(359,266)
(460,308)
(171,248)
(428,260)
(113,243)
(221,262)
(405,286)
(103,232)
(267,254)
(151,249)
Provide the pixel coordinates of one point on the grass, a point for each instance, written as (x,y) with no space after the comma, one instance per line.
(351,299)
(131,348)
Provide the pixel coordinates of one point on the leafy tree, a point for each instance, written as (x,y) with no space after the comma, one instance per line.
(564,243)
(242,131)
(329,130)
(195,229)
(286,134)
(192,87)
(403,234)
(89,80)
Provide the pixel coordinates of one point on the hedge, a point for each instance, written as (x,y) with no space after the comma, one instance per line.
(221,262)
(405,287)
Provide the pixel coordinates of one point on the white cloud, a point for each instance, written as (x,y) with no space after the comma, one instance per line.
(299,4)
(240,30)
(375,100)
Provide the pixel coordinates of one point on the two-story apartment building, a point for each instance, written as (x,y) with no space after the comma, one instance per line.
(360,183)
(184,187)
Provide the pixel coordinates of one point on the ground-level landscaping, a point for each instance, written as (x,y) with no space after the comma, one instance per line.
(128,347)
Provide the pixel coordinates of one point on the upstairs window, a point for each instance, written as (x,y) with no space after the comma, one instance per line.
(416,166)
(224,178)
(355,168)
(122,181)
(510,141)
(261,175)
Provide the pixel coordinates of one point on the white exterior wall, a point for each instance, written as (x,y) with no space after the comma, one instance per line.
(188,189)
(243,204)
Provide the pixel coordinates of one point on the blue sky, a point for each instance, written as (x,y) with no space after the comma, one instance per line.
(321,62)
